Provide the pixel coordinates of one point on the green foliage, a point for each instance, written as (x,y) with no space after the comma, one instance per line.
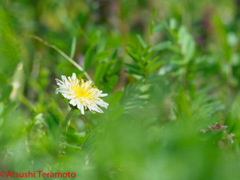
(171,74)
(142,55)
(88,59)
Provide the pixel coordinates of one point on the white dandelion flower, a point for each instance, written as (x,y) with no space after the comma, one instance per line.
(81,94)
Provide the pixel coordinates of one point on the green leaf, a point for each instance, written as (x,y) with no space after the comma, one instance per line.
(82,17)
(116,69)
(148,56)
(151,23)
(85,139)
(73,47)
(100,72)
(115,54)
(115,98)
(88,59)
(111,83)
(102,55)
(133,55)
(94,39)
(141,41)
(3,79)
(173,24)
(6,92)
(101,45)
(9,109)
(145,51)
(1,108)
(152,62)
(228,119)
(179,61)
(232,39)
(175,48)
(70,145)
(154,13)
(131,71)
(57,107)
(156,66)
(159,27)
(137,68)
(63,64)
(116,112)
(162,46)
(187,43)
(132,47)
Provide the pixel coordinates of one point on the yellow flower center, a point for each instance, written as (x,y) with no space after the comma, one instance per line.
(82,92)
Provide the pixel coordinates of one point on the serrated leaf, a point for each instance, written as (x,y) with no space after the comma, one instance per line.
(162,46)
(88,59)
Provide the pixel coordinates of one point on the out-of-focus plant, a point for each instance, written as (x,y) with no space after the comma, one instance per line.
(170,72)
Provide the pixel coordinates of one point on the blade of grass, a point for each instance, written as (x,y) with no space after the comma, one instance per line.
(73,47)
(64,55)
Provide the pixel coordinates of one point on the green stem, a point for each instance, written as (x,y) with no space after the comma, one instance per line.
(67,119)
(64,55)
(89,127)
(85,36)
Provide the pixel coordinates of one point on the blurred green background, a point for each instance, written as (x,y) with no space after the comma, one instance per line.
(170,67)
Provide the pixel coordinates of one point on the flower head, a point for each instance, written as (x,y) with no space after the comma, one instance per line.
(81,94)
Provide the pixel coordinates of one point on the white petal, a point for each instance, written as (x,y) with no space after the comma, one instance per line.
(63,78)
(74,76)
(102,103)
(73,102)
(95,108)
(80,106)
(103,95)
(92,101)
